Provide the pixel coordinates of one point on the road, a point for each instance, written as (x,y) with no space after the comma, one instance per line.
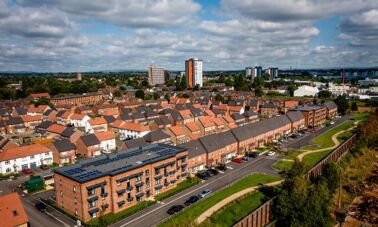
(306,140)
(157,213)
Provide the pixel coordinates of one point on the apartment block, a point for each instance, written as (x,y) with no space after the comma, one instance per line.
(156,75)
(115,182)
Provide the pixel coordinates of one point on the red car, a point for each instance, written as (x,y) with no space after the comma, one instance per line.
(27,171)
(237,160)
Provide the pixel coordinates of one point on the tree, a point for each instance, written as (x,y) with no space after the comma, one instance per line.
(330,175)
(218,97)
(291,88)
(196,88)
(259,92)
(155,95)
(354,106)
(139,94)
(324,94)
(117,93)
(145,83)
(342,104)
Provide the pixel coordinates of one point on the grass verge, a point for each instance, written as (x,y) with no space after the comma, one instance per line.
(186,217)
(235,211)
(283,165)
(189,182)
(114,217)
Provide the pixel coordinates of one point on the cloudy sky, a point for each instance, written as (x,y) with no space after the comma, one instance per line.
(92,35)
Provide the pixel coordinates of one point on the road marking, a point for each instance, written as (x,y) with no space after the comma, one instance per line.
(57,219)
(221,172)
(229,167)
(174,200)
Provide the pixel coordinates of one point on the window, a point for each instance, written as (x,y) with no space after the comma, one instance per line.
(74,189)
(7,162)
(158,182)
(47,154)
(157,192)
(8,170)
(147,173)
(92,203)
(157,172)
(91,192)
(94,215)
(139,188)
(32,157)
(61,193)
(139,198)
(76,212)
(139,178)
(118,183)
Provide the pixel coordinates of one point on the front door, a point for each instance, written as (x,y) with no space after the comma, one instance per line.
(25,166)
(33,165)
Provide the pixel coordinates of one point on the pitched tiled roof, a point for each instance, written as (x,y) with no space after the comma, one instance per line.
(55,128)
(156,136)
(68,132)
(218,141)
(63,145)
(19,152)
(12,212)
(15,121)
(177,130)
(77,116)
(330,105)
(192,126)
(131,126)
(90,140)
(97,121)
(194,147)
(135,143)
(206,121)
(28,118)
(295,116)
(218,121)
(103,136)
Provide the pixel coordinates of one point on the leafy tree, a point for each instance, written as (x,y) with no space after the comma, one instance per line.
(315,101)
(259,92)
(342,104)
(170,83)
(145,83)
(330,175)
(354,106)
(155,95)
(229,82)
(324,94)
(291,88)
(218,97)
(139,94)
(117,93)
(196,88)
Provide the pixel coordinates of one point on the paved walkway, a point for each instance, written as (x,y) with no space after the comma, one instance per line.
(334,139)
(229,199)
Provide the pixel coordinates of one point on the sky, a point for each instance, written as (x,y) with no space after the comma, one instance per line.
(96,35)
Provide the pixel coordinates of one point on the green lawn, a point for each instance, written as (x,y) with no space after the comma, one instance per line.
(283,165)
(235,211)
(189,215)
(361,116)
(180,187)
(312,159)
(114,217)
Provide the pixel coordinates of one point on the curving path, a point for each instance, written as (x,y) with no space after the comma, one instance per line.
(334,139)
(229,199)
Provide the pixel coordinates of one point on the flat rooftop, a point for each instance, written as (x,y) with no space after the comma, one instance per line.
(120,162)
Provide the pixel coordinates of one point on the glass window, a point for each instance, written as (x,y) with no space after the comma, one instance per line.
(91,192)
(7,162)
(147,172)
(92,203)
(139,178)
(8,170)
(74,188)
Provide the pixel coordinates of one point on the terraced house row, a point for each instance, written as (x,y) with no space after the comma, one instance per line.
(114,182)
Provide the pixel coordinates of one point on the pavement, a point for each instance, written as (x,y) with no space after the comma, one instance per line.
(157,213)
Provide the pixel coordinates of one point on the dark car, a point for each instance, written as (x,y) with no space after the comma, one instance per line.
(191,200)
(44,166)
(222,167)
(41,207)
(252,154)
(202,175)
(175,209)
(214,171)
(245,158)
(209,173)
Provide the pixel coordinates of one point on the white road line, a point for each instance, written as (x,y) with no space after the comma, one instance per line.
(57,219)
(157,208)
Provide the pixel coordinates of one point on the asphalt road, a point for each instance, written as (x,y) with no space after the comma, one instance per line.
(157,213)
(306,140)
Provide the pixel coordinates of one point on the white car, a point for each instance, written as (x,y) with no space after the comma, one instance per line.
(332,123)
(204,193)
(271,153)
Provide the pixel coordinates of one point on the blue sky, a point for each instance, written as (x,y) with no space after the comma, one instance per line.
(93,35)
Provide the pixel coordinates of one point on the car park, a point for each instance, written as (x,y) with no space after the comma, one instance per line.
(174,209)
(191,200)
(271,153)
(41,207)
(237,160)
(204,193)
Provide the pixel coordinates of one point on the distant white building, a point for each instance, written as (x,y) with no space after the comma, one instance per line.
(156,75)
(338,89)
(368,82)
(248,72)
(194,72)
(306,91)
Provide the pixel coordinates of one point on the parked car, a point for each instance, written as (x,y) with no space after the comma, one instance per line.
(331,122)
(41,207)
(191,200)
(202,175)
(44,166)
(209,173)
(271,153)
(204,193)
(222,167)
(27,171)
(175,209)
(214,171)
(237,160)
(245,158)
(252,154)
